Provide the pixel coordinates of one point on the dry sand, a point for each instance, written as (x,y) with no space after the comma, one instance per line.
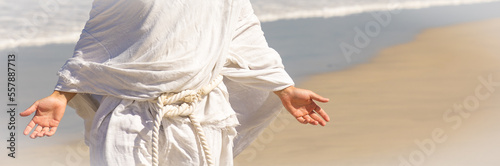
(420,103)
(72,153)
(379,109)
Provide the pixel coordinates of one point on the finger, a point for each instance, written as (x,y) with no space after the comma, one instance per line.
(43,132)
(301,120)
(310,120)
(322,113)
(51,132)
(28,128)
(30,110)
(36,131)
(319,98)
(317,119)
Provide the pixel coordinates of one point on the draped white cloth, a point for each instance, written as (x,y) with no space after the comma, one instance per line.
(131,51)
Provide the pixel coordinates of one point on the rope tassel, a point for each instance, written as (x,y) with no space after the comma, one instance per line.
(165,108)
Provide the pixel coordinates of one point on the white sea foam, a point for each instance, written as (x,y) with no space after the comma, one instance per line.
(25,23)
(33,23)
(297,9)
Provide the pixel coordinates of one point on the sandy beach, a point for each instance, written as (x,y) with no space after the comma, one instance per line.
(433,101)
(410,98)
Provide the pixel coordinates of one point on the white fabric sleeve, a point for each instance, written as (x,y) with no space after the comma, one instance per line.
(251,61)
(253,71)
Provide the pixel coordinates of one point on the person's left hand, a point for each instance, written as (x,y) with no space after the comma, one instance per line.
(300,103)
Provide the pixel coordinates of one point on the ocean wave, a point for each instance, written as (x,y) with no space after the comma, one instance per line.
(64,28)
(27,23)
(293,12)
(40,41)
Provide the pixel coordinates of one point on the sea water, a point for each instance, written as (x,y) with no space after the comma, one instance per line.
(51,28)
(41,22)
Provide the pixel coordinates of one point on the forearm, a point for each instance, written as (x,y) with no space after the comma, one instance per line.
(63,96)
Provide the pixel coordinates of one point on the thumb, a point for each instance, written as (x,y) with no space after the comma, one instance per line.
(30,110)
(319,98)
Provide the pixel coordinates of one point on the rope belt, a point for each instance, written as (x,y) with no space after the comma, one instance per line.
(166,107)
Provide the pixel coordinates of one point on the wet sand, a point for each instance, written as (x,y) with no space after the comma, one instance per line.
(433,101)
(422,102)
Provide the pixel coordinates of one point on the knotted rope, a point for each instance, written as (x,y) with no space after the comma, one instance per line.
(166,107)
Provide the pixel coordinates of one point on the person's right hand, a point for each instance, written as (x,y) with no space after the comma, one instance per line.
(49,112)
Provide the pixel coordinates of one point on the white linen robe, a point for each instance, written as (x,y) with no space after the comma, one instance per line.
(131,51)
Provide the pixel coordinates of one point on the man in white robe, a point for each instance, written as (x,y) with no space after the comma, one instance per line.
(133,51)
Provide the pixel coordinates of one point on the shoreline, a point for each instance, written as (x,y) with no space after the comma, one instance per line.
(316,37)
(431,101)
(316,42)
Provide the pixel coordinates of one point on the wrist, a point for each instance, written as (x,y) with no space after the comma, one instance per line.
(63,96)
(284,92)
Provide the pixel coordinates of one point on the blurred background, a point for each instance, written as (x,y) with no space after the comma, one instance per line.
(410,82)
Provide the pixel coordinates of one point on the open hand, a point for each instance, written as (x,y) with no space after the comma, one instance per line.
(300,103)
(49,112)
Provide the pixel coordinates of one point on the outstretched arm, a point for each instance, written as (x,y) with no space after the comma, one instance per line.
(49,112)
(300,103)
